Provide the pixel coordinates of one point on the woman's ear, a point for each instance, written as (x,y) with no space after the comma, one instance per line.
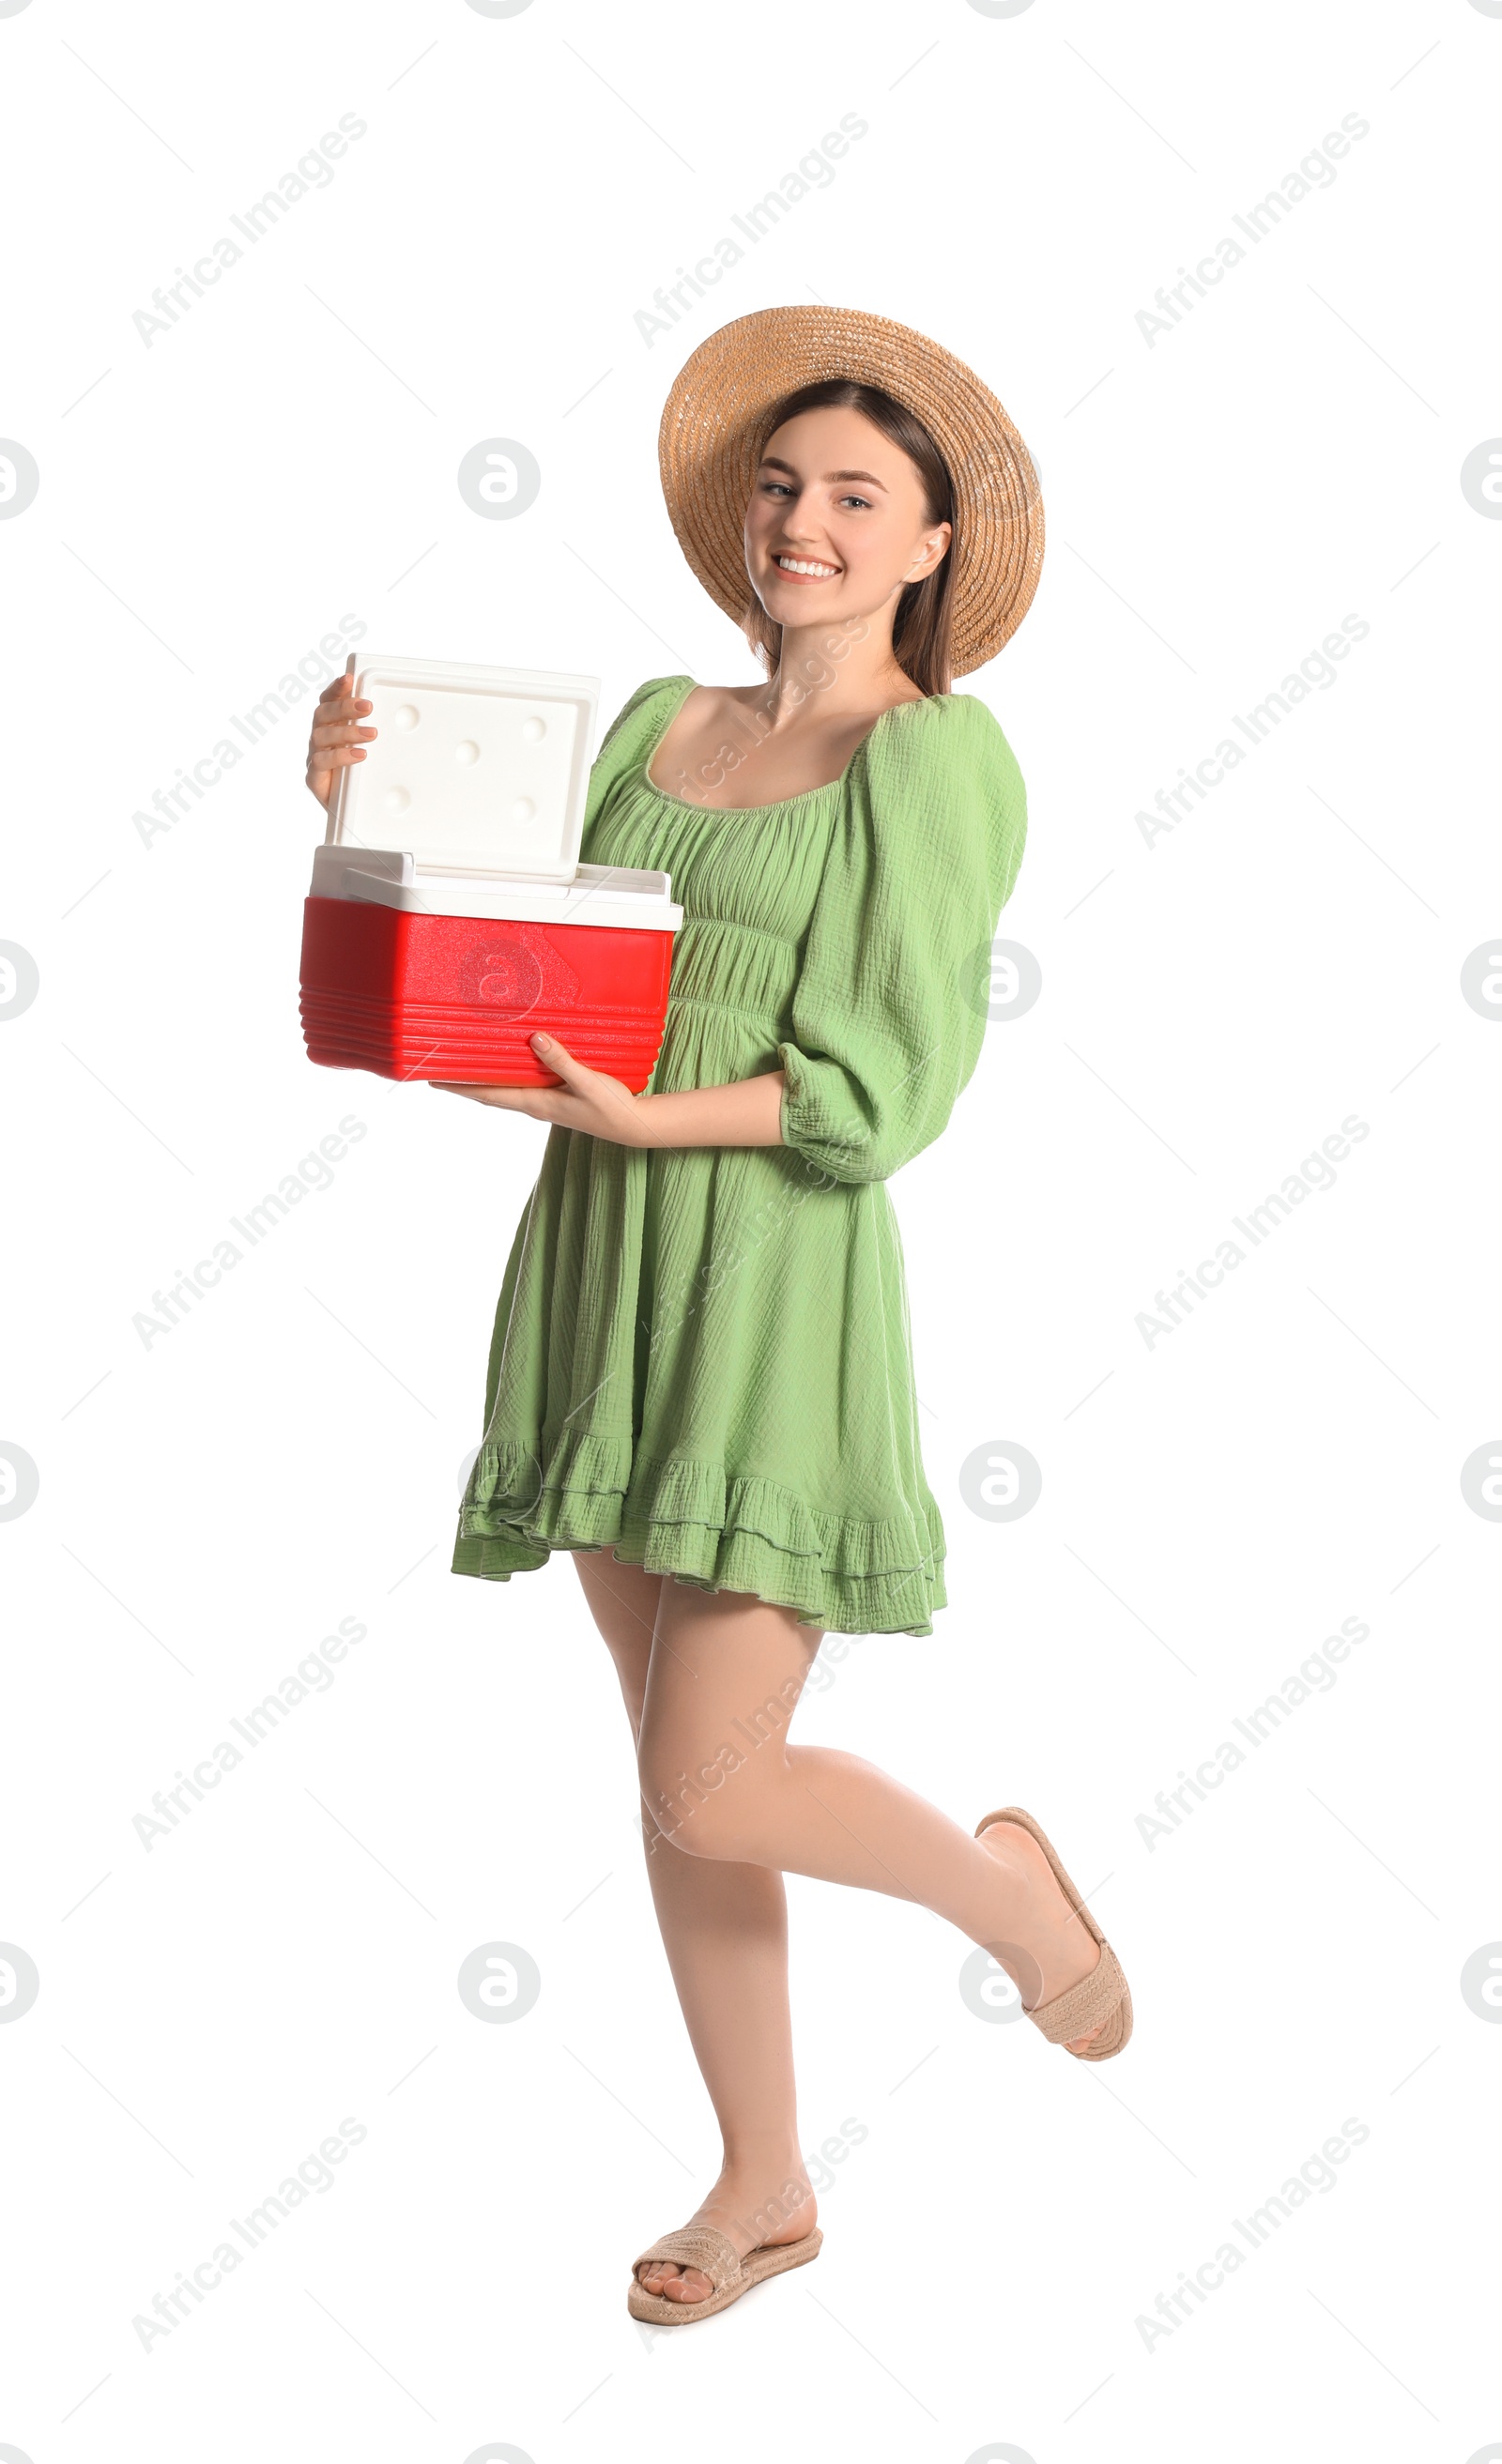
(931,554)
(943,536)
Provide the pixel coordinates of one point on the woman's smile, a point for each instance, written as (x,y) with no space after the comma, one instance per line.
(805,568)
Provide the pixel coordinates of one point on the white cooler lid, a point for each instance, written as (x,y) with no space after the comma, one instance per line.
(476,770)
(596,893)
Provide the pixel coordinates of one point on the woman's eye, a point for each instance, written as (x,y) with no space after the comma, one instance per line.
(863,501)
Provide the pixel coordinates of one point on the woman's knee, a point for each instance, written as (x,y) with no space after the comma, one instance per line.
(707,1807)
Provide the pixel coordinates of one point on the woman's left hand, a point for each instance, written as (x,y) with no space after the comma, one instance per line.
(587,1100)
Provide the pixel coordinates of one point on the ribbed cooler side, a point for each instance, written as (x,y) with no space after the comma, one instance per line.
(414,995)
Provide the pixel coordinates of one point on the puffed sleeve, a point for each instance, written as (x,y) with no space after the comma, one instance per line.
(889,1011)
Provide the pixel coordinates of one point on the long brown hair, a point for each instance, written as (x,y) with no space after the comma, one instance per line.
(921,627)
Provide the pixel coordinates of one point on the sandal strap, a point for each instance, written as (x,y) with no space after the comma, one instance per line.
(697,2246)
(1085,2006)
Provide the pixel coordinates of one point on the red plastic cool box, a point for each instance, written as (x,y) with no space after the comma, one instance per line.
(438,956)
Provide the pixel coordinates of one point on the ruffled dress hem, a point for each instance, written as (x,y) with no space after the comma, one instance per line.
(718,1531)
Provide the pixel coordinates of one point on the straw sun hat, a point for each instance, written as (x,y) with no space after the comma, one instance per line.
(714,426)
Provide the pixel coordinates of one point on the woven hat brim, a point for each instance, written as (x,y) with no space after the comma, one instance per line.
(714,429)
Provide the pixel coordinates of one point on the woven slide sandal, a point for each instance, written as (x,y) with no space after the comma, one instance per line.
(701,2246)
(1103,1998)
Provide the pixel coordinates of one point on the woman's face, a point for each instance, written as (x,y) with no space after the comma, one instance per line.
(836,525)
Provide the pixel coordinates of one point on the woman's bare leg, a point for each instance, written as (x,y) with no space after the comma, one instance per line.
(709,1682)
(719,1774)
(724,1928)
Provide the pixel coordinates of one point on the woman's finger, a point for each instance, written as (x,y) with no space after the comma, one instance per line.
(555,1056)
(330,743)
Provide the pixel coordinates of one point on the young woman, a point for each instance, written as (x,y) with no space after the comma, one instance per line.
(700,1382)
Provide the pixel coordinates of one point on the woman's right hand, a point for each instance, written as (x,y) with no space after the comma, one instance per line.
(338,736)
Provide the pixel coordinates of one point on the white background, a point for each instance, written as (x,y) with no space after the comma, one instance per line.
(1214,1004)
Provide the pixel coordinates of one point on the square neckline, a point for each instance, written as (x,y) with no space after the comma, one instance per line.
(783,804)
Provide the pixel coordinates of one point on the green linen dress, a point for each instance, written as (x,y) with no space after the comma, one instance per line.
(701,1356)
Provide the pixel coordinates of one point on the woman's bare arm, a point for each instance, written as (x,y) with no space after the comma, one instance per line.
(745,1114)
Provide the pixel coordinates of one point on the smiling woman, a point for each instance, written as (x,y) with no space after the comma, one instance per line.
(700,1380)
(846,542)
(921,622)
